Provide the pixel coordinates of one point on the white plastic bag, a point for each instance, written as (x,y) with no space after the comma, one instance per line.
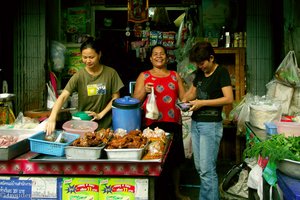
(151,107)
(282,93)
(186,133)
(51,98)
(264,110)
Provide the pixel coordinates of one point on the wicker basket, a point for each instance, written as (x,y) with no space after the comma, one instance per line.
(38,144)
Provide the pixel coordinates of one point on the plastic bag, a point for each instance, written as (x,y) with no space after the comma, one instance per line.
(186,133)
(269,173)
(241,113)
(282,93)
(25,122)
(264,110)
(288,71)
(151,107)
(51,98)
(57,54)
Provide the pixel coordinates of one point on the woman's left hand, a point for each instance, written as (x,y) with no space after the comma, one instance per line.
(195,105)
(96,116)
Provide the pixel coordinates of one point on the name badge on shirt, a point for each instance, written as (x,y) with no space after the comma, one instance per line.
(96,89)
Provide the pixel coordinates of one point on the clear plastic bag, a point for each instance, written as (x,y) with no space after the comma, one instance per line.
(288,71)
(57,54)
(151,107)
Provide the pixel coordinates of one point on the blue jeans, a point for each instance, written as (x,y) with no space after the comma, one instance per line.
(206,137)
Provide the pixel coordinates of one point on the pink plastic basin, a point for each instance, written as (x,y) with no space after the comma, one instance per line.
(80,126)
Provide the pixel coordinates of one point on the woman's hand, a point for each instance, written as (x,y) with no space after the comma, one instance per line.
(50,127)
(196,104)
(96,116)
(148,87)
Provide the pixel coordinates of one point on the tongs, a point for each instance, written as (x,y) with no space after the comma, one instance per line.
(58,139)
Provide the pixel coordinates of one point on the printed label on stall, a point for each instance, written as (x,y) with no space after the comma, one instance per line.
(15,189)
(123,189)
(28,188)
(80,188)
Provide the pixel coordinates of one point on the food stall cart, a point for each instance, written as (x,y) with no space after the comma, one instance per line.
(32,165)
(289,186)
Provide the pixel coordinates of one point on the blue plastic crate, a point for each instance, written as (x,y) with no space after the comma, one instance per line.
(38,144)
(289,186)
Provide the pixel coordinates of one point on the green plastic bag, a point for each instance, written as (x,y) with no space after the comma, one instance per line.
(269,173)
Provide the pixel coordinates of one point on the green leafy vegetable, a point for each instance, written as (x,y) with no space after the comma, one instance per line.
(278,147)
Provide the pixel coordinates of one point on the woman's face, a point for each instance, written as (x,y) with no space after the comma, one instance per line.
(158,57)
(206,66)
(90,57)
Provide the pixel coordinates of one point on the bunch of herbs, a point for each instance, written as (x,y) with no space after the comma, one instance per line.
(276,148)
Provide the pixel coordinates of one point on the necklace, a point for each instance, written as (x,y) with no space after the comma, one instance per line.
(212,71)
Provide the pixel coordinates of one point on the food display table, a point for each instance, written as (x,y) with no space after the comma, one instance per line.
(33,164)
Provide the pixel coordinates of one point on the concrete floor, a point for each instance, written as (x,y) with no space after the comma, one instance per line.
(189,181)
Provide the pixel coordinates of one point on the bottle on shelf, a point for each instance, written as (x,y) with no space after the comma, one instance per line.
(227,39)
(222,38)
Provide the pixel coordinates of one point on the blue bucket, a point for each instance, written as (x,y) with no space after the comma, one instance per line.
(126,114)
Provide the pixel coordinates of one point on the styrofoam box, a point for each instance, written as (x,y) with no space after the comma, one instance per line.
(125,154)
(288,128)
(83,153)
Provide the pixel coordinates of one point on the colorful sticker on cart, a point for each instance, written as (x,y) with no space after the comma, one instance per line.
(80,188)
(123,189)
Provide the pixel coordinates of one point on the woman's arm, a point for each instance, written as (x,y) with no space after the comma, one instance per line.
(107,108)
(50,126)
(180,87)
(139,89)
(226,99)
(190,94)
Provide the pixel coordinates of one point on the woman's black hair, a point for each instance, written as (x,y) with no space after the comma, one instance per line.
(201,51)
(157,45)
(92,43)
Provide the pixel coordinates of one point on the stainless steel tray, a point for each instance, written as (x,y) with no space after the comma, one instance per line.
(81,153)
(20,147)
(63,159)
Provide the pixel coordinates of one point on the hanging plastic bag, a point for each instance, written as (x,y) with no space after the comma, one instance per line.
(151,107)
(51,98)
(186,134)
(57,53)
(282,93)
(288,71)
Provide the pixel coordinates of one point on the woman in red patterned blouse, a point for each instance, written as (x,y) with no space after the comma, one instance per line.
(168,88)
